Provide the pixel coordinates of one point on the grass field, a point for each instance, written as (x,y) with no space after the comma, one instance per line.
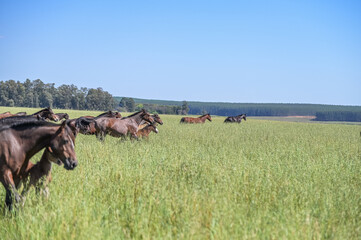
(260,179)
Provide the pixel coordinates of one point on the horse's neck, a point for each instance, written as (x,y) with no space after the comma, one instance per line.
(203,118)
(39,138)
(138,119)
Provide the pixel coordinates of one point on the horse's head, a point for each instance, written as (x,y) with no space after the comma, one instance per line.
(147,117)
(157,119)
(153,128)
(65,116)
(62,147)
(86,125)
(117,115)
(208,117)
(47,113)
(244,117)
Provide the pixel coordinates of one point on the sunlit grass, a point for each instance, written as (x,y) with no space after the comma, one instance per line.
(257,179)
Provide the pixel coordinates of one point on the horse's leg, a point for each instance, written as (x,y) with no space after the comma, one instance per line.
(41,187)
(11,192)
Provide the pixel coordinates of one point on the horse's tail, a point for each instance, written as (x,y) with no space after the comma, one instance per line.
(182,120)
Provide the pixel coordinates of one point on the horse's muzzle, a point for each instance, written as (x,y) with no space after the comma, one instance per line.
(70,164)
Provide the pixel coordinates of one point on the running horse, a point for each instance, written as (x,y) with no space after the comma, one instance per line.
(122,127)
(144,132)
(46,114)
(87,125)
(21,141)
(200,119)
(236,119)
(62,115)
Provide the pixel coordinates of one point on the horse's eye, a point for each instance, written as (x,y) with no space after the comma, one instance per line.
(66,141)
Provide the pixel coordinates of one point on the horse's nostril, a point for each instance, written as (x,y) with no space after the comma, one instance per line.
(74,164)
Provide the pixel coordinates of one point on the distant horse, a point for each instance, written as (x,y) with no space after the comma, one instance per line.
(20,141)
(236,119)
(144,132)
(126,126)
(200,119)
(46,114)
(107,114)
(8,114)
(42,115)
(62,115)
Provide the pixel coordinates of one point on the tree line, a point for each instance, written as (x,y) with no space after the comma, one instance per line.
(37,94)
(351,116)
(129,105)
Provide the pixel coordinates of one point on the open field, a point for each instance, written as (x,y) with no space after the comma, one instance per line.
(255,180)
(304,119)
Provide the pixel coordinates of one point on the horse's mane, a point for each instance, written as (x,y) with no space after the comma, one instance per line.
(23,123)
(134,114)
(31,124)
(17,119)
(42,110)
(105,113)
(204,115)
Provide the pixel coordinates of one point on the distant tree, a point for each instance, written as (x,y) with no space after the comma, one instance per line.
(185,108)
(128,104)
(97,99)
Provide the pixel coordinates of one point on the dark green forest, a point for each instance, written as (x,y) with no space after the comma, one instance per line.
(322,112)
(37,94)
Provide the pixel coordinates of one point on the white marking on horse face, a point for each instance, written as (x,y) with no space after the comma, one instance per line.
(72,143)
(156,130)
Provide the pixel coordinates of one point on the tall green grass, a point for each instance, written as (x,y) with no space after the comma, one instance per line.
(254,180)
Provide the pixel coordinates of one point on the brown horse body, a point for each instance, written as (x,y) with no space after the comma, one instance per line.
(200,119)
(8,114)
(21,141)
(144,132)
(126,126)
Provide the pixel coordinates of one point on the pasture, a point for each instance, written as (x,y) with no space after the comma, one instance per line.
(259,179)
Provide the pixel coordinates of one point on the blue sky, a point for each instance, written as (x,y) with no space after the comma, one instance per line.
(228,51)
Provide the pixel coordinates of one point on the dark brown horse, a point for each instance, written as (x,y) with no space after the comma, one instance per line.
(200,119)
(126,126)
(39,174)
(83,125)
(21,141)
(144,132)
(107,114)
(62,115)
(87,125)
(236,119)
(46,114)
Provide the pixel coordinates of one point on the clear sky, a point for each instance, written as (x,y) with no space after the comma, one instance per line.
(229,51)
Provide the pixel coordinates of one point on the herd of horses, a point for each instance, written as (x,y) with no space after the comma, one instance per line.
(22,136)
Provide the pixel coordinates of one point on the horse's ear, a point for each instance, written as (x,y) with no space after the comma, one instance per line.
(49,149)
(63,123)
